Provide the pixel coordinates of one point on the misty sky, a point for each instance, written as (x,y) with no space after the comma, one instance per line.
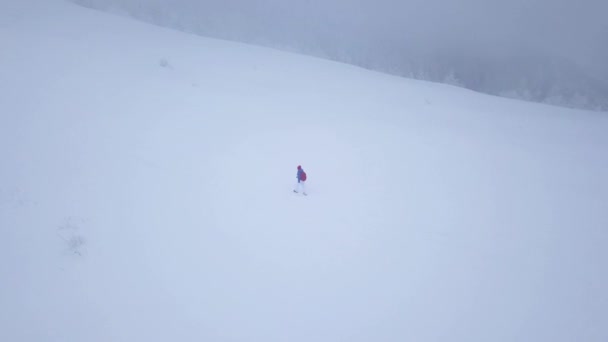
(576,29)
(561,40)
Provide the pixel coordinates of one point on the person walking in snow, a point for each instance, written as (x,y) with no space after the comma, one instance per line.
(301,185)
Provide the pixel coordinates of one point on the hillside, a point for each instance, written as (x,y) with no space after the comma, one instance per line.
(146,195)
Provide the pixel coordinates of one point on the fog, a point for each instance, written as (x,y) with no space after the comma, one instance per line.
(553,51)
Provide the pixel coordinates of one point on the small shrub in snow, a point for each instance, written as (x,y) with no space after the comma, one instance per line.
(164,63)
(69,233)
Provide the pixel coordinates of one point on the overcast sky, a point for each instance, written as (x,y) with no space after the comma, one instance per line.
(571,28)
(576,29)
(403,35)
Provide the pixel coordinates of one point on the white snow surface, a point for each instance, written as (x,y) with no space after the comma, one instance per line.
(148,203)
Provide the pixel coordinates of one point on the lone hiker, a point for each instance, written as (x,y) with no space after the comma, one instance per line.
(301,185)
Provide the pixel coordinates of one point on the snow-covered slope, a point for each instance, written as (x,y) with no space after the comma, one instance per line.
(141,202)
